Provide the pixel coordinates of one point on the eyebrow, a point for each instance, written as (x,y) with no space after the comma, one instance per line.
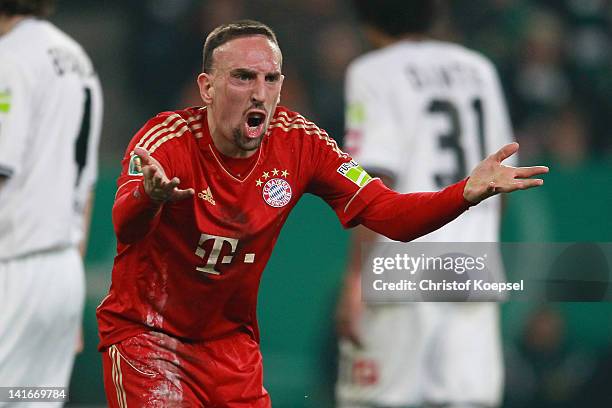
(251,73)
(276,75)
(243,71)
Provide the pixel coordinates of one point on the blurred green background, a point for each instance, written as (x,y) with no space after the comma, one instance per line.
(555,63)
(300,284)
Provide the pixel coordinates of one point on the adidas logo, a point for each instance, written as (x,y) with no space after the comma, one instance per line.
(206,195)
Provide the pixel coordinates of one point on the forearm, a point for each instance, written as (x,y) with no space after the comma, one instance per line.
(404,217)
(86,224)
(134,214)
(361,240)
(350,306)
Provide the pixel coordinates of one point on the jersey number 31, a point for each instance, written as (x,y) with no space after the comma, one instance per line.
(452,139)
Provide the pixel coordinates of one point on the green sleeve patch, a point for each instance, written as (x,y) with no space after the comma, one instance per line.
(355,113)
(354,172)
(135,166)
(5,101)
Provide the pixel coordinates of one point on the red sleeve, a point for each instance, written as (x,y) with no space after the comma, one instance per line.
(359,199)
(335,177)
(134,214)
(404,217)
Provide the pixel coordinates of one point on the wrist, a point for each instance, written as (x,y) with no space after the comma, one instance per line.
(470,197)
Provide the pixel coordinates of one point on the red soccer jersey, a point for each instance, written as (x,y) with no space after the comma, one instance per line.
(196,274)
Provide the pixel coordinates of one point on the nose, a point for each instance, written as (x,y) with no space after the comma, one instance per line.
(258,93)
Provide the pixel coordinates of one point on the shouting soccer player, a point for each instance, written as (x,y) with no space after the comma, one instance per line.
(201,200)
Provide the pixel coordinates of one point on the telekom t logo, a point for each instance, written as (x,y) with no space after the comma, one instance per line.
(213,256)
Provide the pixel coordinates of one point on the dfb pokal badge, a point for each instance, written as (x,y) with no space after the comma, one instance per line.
(277,192)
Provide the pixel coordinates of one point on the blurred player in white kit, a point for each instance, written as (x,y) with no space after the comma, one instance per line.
(420,113)
(50,120)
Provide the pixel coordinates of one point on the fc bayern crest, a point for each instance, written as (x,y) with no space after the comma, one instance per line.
(277,192)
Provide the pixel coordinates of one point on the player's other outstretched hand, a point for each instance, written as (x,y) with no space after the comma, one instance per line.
(156,183)
(491,176)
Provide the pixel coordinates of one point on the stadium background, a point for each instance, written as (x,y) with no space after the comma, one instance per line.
(555,62)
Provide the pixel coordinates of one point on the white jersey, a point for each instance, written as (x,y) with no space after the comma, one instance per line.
(426,113)
(50,121)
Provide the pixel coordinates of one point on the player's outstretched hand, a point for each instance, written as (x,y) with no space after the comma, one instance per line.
(156,183)
(491,176)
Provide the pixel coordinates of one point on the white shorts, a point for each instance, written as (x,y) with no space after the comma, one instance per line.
(41,307)
(435,353)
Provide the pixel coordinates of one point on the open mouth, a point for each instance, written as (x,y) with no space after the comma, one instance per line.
(254,124)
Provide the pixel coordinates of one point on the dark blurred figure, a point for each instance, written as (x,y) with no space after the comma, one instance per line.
(336,46)
(162,46)
(552,54)
(596,392)
(543,370)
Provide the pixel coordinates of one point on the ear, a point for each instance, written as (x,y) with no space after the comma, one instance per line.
(207,90)
(282,78)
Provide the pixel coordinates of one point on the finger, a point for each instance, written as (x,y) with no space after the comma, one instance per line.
(525,172)
(170,185)
(505,152)
(150,167)
(529,183)
(521,185)
(158,178)
(144,155)
(147,160)
(149,172)
(178,195)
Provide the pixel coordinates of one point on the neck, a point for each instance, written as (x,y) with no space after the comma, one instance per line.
(224,144)
(7,23)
